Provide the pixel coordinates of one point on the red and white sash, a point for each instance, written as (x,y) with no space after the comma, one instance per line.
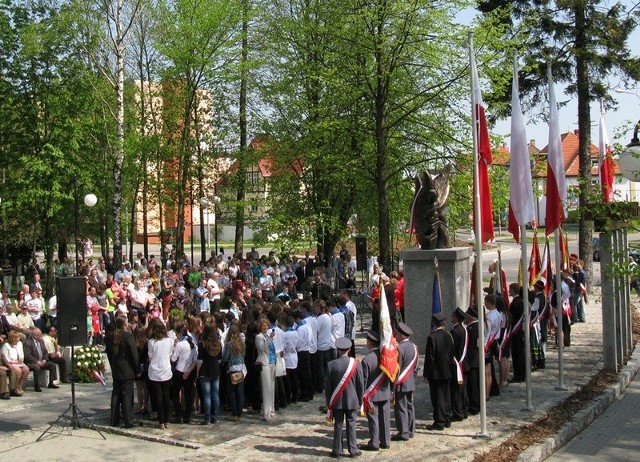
(342,386)
(367,406)
(404,375)
(460,362)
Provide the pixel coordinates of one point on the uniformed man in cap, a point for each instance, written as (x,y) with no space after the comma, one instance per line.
(344,397)
(472,371)
(405,384)
(459,400)
(437,371)
(376,397)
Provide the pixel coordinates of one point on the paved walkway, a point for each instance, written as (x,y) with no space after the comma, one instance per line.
(612,437)
(299,433)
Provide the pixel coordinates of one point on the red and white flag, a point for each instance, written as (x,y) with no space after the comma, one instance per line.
(556,183)
(534,261)
(388,347)
(606,162)
(521,210)
(483,157)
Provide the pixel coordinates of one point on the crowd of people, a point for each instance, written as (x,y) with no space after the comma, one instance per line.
(259,334)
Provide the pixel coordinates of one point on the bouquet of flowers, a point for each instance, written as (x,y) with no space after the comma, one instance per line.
(88,365)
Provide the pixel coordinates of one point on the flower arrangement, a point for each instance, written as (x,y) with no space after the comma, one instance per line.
(88,365)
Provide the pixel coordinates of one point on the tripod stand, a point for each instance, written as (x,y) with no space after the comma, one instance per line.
(73,407)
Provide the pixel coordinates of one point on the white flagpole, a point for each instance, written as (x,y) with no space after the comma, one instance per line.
(559,312)
(478,245)
(527,316)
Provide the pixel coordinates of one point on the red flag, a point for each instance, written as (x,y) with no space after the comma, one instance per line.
(388,346)
(534,261)
(606,162)
(556,184)
(564,251)
(484,159)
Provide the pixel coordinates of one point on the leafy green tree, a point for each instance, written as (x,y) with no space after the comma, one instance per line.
(586,42)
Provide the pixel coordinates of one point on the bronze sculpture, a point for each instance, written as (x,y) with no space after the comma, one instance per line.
(428,212)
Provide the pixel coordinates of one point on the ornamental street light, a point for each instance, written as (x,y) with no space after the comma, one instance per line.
(211,204)
(629,159)
(89,200)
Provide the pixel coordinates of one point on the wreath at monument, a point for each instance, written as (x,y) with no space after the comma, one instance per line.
(88,365)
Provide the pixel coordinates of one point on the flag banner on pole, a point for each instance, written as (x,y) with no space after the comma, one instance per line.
(472,297)
(521,210)
(534,261)
(606,161)
(484,158)
(436,307)
(388,347)
(564,251)
(556,182)
(545,275)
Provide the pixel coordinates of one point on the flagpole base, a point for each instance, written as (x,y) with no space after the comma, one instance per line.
(483,435)
(561,387)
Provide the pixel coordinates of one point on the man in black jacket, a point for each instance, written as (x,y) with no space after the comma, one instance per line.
(517,337)
(459,400)
(123,358)
(472,371)
(437,371)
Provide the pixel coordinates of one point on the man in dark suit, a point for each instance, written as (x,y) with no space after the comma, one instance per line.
(378,394)
(459,399)
(517,338)
(472,371)
(405,384)
(344,401)
(37,358)
(123,358)
(437,371)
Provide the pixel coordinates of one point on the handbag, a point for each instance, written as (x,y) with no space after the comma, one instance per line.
(281,367)
(236,377)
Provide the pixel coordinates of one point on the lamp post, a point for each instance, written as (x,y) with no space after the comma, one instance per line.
(89,200)
(206,204)
(629,159)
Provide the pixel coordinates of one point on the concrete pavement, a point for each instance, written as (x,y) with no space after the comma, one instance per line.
(299,432)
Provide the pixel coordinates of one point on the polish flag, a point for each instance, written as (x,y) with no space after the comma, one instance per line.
(521,209)
(484,158)
(556,183)
(606,162)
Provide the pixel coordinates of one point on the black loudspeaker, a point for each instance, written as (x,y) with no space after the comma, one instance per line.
(72,310)
(361,253)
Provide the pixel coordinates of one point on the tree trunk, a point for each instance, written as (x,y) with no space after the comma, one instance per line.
(119,154)
(242,174)
(585,228)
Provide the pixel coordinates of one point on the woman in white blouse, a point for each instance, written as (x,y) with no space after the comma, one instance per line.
(13,357)
(160,349)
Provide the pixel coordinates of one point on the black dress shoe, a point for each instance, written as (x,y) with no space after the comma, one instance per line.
(335,455)
(447,425)
(356,454)
(384,446)
(368,447)
(38,390)
(435,427)
(53,385)
(457,419)
(5,396)
(398,438)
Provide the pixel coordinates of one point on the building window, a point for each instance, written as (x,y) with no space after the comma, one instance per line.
(253,175)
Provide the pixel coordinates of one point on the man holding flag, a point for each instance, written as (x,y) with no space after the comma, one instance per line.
(343,389)
(375,401)
(405,384)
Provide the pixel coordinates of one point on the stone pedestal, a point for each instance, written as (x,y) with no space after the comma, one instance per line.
(454,267)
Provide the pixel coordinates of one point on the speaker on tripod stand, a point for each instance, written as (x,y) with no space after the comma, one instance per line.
(72,330)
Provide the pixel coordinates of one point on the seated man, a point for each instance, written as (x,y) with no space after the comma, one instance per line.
(4,391)
(55,352)
(37,358)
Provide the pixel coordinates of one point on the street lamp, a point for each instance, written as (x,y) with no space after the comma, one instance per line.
(206,204)
(89,200)
(629,159)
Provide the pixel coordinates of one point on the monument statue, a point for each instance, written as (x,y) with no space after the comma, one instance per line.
(428,216)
